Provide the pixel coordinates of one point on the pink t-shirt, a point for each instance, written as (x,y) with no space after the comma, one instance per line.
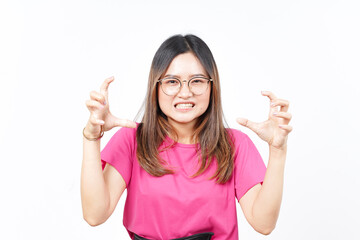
(175,205)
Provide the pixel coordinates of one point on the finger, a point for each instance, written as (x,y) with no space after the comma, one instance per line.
(246,123)
(269,94)
(285,115)
(284,104)
(93,105)
(95,121)
(287,128)
(98,97)
(105,85)
(272,97)
(125,123)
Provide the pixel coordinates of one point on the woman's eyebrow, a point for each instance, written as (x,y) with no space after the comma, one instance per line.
(193,75)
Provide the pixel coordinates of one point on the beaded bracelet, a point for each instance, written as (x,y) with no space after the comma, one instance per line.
(94,139)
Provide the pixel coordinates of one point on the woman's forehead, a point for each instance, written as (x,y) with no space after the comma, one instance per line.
(185,65)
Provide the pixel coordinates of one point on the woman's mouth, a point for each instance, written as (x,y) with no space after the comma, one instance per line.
(184,105)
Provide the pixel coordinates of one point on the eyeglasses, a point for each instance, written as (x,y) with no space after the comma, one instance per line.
(172,85)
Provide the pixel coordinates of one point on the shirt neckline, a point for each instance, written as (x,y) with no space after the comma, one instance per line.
(182,145)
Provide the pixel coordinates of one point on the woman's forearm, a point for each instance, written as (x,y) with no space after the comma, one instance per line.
(266,207)
(94,193)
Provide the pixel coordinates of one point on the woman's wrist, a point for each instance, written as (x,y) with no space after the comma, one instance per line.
(278,152)
(91,136)
(278,149)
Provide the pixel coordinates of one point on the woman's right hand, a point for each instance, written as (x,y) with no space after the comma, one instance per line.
(100,114)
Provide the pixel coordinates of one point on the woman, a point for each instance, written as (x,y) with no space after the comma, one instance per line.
(182,168)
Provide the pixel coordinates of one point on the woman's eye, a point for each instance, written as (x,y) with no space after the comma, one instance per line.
(198,81)
(171,82)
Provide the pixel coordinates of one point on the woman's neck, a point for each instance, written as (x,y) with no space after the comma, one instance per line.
(184,132)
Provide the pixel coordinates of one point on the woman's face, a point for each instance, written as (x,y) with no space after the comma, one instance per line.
(184,108)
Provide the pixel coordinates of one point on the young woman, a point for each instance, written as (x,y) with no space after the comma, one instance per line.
(182,168)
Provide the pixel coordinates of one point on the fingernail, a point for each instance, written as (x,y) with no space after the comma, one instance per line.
(104,102)
(272,104)
(275,113)
(100,121)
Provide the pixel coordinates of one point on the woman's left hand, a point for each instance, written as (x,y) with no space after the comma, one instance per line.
(275,130)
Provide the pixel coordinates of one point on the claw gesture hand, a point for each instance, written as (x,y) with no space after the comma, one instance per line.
(275,130)
(100,114)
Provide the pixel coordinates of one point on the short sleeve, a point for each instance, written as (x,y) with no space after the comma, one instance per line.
(119,152)
(249,167)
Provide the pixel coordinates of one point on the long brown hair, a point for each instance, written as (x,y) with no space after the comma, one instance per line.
(214,140)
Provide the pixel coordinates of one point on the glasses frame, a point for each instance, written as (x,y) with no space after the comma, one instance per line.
(181,84)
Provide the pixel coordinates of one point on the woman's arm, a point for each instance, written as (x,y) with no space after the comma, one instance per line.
(100,190)
(261,204)
(94,193)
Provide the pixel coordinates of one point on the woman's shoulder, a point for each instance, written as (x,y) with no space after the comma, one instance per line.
(238,137)
(125,132)
(236,133)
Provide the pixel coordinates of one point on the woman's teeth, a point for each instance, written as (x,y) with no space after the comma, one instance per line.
(184,105)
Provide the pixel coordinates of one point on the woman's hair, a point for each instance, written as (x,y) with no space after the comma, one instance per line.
(210,133)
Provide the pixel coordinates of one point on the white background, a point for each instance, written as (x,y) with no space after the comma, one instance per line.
(53,53)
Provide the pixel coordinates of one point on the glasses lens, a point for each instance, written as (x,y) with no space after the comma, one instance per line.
(170,86)
(198,85)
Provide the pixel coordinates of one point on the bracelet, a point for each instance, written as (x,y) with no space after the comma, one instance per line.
(94,139)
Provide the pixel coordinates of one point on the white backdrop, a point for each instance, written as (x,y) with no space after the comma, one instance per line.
(53,53)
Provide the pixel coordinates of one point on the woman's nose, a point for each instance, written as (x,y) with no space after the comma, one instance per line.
(184,90)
